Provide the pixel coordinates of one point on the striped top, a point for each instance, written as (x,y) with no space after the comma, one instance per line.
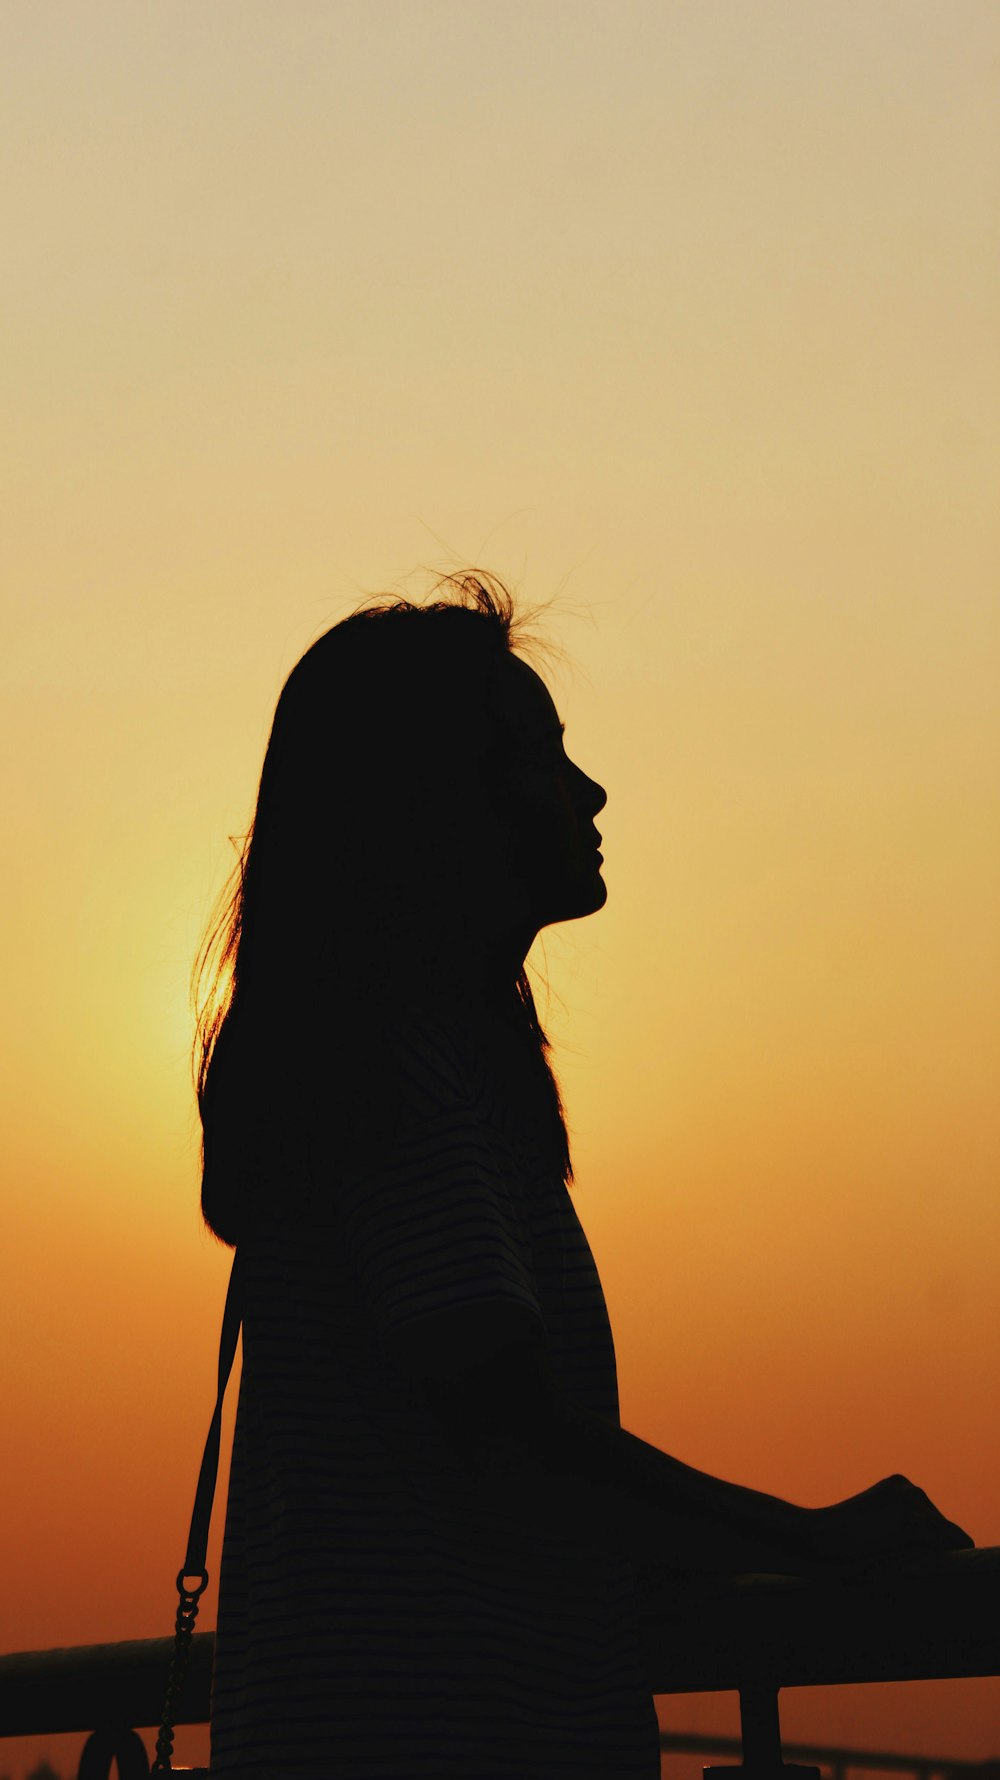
(370,1624)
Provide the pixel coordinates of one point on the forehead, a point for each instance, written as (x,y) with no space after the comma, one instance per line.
(523,699)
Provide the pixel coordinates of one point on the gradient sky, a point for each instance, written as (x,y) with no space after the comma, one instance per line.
(682,313)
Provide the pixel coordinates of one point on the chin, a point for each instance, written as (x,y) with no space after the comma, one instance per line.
(586,899)
(600,895)
(594,883)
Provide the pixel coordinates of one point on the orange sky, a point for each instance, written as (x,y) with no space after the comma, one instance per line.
(687,314)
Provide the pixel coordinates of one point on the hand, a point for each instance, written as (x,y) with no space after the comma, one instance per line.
(890,1520)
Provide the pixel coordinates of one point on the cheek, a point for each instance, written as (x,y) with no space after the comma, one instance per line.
(543,826)
(551,831)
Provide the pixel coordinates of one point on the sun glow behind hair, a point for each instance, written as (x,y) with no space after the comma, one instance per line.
(686,314)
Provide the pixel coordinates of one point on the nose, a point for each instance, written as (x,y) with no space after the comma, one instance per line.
(597,797)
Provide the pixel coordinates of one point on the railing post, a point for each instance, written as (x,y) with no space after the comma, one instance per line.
(761,1733)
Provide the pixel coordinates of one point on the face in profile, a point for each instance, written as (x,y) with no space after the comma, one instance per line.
(549,805)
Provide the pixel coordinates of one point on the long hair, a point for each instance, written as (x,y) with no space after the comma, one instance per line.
(360,884)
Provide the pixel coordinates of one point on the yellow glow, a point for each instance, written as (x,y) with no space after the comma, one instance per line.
(687,313)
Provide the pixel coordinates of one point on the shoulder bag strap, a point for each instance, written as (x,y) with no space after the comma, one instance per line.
(194,1560)
(232,1316)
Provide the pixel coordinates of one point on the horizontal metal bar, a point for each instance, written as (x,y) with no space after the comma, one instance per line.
(890,1761)
(87,1686)
(935,1619)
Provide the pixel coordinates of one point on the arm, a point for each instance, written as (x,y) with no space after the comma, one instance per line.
(601,1485)
(538,1460)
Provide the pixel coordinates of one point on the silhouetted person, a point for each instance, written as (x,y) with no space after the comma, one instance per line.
(435,1521)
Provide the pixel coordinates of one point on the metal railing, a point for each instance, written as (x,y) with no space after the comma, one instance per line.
(840,1762)
(934,1618)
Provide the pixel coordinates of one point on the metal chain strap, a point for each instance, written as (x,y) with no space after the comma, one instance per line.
(187,1613)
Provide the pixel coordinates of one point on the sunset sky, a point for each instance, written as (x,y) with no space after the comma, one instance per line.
(683,315)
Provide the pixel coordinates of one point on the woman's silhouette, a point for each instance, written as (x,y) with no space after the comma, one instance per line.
(435,1522)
